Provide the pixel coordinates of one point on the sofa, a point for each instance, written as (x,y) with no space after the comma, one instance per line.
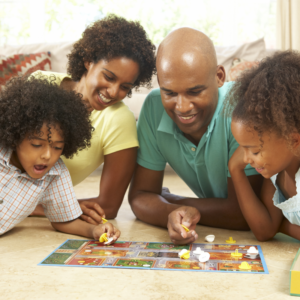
(234,59)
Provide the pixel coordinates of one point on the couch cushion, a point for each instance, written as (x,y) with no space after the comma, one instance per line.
(21,64)
(239,66)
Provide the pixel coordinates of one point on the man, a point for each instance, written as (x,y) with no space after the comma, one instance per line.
(183,124)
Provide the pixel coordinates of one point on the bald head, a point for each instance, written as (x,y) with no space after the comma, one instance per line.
(184,47)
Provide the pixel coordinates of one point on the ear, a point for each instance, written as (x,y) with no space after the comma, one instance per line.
(295,140)
(220,74)
(87,65)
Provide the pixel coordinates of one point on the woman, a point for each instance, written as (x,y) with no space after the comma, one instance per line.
(112,57)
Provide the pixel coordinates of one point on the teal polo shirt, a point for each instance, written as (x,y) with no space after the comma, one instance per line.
(204,168)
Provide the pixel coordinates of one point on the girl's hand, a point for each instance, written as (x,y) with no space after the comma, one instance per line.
(109,228)
(236,161)
(92,212)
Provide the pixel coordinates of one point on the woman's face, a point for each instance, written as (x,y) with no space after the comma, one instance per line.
(108,82)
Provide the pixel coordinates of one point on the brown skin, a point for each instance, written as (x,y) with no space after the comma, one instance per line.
(274,155)
(189,79)
(36,151)
(112,79)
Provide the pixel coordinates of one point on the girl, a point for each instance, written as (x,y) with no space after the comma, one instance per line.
(266,124)
(35,130)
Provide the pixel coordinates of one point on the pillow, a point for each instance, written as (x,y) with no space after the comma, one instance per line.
(239,66)
(21,64)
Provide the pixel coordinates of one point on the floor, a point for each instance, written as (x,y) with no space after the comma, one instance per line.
(31,241)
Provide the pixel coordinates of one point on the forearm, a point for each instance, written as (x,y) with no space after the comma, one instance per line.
(77,227)
(290,229)
(255,212)
(152,208)
(215,212)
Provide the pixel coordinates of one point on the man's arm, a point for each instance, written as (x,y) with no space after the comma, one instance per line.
(149,206)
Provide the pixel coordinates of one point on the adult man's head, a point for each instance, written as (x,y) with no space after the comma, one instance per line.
(189,79)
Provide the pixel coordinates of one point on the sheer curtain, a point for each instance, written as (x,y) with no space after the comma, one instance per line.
(288,24)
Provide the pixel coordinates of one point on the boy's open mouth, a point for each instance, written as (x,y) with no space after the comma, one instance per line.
(40,167)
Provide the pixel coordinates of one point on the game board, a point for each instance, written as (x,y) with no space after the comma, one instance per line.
(152,256)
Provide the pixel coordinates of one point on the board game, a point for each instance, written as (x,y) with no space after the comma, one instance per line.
(153,256)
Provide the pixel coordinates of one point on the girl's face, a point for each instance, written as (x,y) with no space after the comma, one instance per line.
(108,82)
(268,159)
(35,155)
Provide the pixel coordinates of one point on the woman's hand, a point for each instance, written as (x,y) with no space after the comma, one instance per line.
(236,162)
(109,228)
(91,212)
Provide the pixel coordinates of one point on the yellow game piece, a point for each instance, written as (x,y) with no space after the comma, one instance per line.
(185,228)
(104,221)
(236,253)
(244,266)
(185,255)
(103,238)
(231,241)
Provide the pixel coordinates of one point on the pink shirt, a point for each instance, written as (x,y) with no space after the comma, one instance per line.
(20,194)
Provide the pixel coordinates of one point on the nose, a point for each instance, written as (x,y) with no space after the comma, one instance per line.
(46,153)
(183,105)
(113,91)
(247,158)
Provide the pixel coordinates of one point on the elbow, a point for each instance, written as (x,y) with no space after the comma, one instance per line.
(134,203)
(111,213)
(264,236)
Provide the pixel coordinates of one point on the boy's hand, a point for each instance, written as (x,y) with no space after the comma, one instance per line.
(236,161)
(109,228)
(187,216)
(91,212)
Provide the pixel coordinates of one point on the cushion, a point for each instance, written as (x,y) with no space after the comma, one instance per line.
(254,51)
(23,64)
(239,66)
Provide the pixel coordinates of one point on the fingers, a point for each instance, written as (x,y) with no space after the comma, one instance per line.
(92,210)
(88,219)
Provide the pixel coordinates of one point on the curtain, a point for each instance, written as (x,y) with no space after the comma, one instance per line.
(288,24)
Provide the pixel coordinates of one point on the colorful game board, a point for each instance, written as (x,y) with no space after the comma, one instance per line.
(153,256)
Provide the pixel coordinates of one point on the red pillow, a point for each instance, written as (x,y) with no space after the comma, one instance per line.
(239,66)
(21,64)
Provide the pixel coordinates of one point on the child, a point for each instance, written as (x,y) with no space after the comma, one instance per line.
(39,122)
(266,124)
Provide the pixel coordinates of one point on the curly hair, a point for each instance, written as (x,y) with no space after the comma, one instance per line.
(27,103)
(110,38)
(267,97)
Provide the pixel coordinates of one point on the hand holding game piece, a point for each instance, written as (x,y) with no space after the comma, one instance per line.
(185,228)
(188,217)
(107,231)
(91,212)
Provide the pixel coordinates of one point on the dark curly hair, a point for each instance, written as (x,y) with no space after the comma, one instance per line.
(27,103)
(110,38)
(267,97)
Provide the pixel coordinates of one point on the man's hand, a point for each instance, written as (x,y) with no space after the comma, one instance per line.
(236,161)
(92,212)
(187,216)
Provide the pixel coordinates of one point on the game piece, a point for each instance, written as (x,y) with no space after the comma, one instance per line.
(231,241)
(110,239)
(236,254)
(244,266)
(154,256)
(198,251)
(204,257)
(295,276)
(185,228)
(103,238)
(252,252)
(210,238)
(104,221)
(185,254)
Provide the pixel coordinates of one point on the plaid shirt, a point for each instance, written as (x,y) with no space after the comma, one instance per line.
(20,194)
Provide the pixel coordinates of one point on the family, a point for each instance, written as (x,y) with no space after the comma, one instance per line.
(235,144)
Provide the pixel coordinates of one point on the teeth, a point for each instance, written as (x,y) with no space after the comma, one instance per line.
(104,98)
(186,118)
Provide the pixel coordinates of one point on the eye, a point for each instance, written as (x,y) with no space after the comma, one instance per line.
(125,88)
(36,146)
(255,153)
(107,77)
(58,148)
(169,94)
(194,93)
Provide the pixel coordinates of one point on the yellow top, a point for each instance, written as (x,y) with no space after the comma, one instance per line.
(115,130)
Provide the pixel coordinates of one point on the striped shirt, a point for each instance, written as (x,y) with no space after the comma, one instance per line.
(20,194)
